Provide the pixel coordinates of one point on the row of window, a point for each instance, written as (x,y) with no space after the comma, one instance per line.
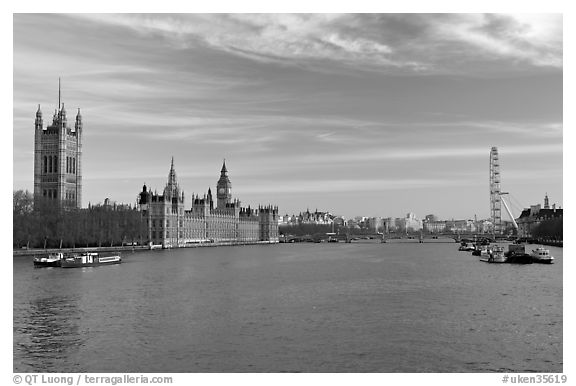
(53,193)
(200,234)
(50,193)
(160,210)
(50,164)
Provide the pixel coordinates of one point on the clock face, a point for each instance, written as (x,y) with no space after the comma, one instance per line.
(221,190)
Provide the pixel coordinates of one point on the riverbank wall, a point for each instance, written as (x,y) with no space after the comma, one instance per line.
(132,248)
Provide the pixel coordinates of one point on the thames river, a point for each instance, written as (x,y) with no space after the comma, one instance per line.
(328,307)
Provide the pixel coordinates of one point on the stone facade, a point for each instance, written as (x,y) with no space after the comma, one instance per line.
(531,217)
(58,159)
(170,225)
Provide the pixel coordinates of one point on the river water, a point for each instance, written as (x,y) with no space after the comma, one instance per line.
(290,308)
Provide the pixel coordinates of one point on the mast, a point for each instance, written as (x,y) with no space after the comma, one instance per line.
(508,210)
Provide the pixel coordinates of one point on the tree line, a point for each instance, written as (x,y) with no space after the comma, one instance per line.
(46,225)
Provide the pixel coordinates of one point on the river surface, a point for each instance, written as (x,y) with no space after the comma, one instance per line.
(290,308)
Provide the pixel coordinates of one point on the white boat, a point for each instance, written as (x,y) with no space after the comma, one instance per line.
(468,247)
(494,255)
(541,255)
(52,260)
(481,250)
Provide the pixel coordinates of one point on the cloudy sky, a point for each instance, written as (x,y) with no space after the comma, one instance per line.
(356,114)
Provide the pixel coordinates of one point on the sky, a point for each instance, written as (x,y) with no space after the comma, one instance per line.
(355,114)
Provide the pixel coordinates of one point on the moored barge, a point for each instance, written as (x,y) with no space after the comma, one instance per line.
(90,259)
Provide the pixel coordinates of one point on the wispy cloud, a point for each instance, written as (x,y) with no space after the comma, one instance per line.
(534,39)
(421,153)
(419,43)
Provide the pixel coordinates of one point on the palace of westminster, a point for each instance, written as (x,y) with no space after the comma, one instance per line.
(58,177)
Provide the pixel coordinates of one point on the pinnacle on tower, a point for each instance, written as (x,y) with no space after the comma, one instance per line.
(38,123)
(224,170)
(78,125)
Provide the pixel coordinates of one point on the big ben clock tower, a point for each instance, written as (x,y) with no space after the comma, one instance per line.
(224,188)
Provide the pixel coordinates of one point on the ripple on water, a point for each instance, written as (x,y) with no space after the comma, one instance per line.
(291,308)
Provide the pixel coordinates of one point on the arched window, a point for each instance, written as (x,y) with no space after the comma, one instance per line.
(74,165)
(45,164)
(49,164)
(55,164)
(67,164)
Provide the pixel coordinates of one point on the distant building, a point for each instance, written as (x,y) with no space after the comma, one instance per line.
(484,226)
(461,226)
(316,217)
(531,217)
(375,224)
(434,226)
(410,223)
(389,224)
(112,205)
(58,159)
(457,226)
(339,221)
(169,224)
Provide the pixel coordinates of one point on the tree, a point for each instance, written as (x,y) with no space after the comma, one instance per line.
(23,202)
(40,223)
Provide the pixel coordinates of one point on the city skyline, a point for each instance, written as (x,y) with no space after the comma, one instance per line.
(374,115)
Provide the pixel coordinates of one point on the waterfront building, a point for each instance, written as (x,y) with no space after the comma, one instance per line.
(375,224)
(434,226)
(461,226)
(58,158)
(316,217)
(409,223)
(390,225)
(169,224)
(531,217)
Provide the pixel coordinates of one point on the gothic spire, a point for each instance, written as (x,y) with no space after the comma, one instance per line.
(78,124)
(59,93)
(38,122)
(172,174)
(224,170)
(172,190)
